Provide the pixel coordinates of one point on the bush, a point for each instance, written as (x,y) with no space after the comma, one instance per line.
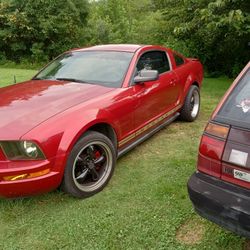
(40,29)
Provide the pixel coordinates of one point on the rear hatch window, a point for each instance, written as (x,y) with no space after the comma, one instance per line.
(236,109)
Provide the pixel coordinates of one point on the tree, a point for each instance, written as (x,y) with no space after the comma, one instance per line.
(123,21)
(41,29)
(216,31)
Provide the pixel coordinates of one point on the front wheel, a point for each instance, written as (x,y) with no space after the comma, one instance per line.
(191,107)
(90,165)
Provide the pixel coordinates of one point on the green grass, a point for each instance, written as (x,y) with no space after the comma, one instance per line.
(144,206)
(8,75)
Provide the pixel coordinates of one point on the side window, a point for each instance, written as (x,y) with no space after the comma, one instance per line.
(178,60)
(153,60)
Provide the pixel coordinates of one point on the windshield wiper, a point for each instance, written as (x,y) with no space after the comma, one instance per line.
(42,78)
(70,79)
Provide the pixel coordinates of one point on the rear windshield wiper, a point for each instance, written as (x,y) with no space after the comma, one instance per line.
(70,79)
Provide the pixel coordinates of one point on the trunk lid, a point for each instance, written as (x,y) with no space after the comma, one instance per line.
(235,159)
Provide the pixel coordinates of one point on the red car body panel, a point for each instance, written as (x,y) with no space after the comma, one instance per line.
(44,99)
(55,114)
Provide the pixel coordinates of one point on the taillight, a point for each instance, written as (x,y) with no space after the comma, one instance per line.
(211,149)
(217,130)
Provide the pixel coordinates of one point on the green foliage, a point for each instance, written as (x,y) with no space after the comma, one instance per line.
(40,29)
(119,21)
(216,31)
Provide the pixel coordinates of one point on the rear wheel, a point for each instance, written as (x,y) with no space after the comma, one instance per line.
(90,165)
(191,107)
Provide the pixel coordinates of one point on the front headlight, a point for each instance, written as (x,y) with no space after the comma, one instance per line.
(22,150)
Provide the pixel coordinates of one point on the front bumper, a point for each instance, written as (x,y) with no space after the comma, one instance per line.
(223,203)
(32,186)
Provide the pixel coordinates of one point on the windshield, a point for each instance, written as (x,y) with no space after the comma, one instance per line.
(236,109)
(106,68)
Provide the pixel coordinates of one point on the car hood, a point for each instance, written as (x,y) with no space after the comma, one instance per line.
(25,105)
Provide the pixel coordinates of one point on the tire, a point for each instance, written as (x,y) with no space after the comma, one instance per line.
(90,165)
(190,109)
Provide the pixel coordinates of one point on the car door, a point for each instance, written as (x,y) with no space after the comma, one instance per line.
(155,97)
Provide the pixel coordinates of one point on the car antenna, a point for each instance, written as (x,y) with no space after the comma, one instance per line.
(14,79)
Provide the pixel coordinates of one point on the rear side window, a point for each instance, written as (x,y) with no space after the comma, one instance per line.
(236,109)
(178,60)
(154,60)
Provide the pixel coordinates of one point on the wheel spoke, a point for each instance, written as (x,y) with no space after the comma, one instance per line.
(94,174)
(91,151)
(79,158)
(99,160)
(83,175)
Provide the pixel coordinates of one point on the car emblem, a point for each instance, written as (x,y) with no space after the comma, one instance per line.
(245,105)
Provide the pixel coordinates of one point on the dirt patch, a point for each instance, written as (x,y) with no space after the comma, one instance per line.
(246,245)
(191,232)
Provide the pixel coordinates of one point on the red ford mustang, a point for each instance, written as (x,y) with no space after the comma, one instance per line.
(68,125)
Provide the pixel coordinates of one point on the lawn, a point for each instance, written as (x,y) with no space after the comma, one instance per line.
(8,76)
(145,206)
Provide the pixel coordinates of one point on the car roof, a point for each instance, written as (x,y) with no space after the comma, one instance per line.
(113,47)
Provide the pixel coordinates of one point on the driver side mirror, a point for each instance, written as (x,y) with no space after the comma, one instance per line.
(146,76)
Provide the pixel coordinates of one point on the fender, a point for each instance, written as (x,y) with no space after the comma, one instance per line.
(57,148)
(191,79)
(71,136)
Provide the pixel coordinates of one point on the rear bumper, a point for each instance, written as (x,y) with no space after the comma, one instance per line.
(220,202)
